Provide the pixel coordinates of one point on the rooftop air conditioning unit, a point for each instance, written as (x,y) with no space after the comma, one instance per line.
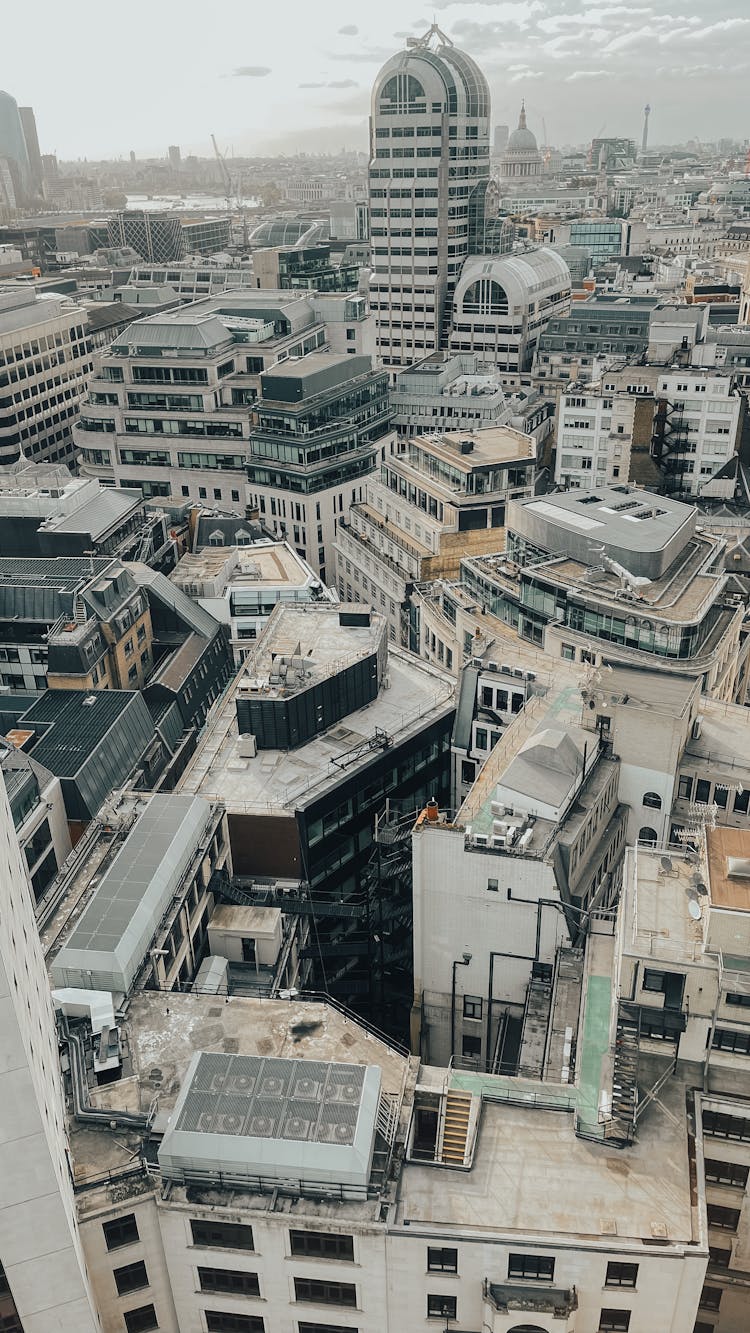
(476,661)
(248,747)
(480,839)
(492,666)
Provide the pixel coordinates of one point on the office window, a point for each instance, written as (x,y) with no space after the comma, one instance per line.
(718,1256)
(221,1235)
(702,790)
(722,1126)
(726,1173)
(442,1307)
(621,1275)
(121,1231)
(472,1006)
(725,1039)
(724,1219)
(307,1327)
(131,1277)
(140,1320)
(471,1047)
(325,1293)
(225,1321)
(568,652)
(229,1280)
(531,1267)
(710,1298)
(614,1321)
(741,1001)
(441,1260)
(321,1245)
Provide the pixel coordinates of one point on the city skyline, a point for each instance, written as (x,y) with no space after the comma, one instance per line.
(256,95)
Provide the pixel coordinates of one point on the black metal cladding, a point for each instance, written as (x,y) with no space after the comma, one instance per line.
(287,722)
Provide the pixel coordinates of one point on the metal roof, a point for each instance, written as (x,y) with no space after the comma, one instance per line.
(291,1120)
(110,940)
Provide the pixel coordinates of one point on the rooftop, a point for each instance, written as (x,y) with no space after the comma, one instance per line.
(467,449)
(164,1032)
(278,780)
(665,913)
(309,642)
(532,1175)
(260,564)
(620,516)
(728,851)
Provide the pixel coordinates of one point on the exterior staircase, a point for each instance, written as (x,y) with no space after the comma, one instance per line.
(456,1126)
(625,1076)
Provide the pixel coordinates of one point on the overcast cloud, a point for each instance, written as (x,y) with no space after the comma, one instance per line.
(297,77)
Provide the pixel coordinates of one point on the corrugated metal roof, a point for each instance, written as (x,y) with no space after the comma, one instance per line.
(111,937)
(77,723)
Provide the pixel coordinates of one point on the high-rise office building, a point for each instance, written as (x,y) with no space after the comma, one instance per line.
(43,1280)
(28,125)
(13,145)
(429,173)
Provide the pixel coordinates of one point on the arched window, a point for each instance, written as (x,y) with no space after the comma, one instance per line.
(653,800)
(647,834)
(526,1328)
(402,93)
(485,297)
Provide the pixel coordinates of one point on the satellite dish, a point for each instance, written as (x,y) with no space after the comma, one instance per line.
(665,862)
(694,910)
(702,889)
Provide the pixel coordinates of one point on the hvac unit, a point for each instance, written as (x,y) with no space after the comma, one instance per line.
(247,747)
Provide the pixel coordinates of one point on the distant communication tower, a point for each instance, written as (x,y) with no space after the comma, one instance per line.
(644,140)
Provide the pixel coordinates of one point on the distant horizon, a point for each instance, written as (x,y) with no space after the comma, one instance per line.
(586,69)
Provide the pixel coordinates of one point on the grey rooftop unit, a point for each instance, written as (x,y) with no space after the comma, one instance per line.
(260,1122)
(109,942)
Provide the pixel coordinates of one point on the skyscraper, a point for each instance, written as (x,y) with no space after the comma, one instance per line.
(28,125)
(429,171)
(13,145)
(43,1282)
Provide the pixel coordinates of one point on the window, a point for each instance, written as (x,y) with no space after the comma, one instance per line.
(531,1267)
(321,1245)
(718,1256)
(621,1275)
(140,1320)
(741,1001)
(702,790)
(224,1321)
(305,1327)
(442,1261)
(122,1231)
(325,1293)
(702,1327)
(471,1047)
(685,787)
(724,1219)
(228,1280)
(723,1126)
(614,1321)
(652,799)
(726,1039)
(568,652)
(492,886)
(647,834)
(726,1173)
(131,1277)
(442,1307)
(472,1006)
(710,1298)
(221,1235)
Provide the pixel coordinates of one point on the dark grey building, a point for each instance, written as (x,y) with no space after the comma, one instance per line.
(91,742)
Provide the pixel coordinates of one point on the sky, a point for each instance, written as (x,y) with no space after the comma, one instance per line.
(296,77)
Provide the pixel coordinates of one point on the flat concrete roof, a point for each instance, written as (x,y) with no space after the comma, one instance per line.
(164,1032)
(254,566)
(496,444)
(275,781)
(531,1175)
(658,892)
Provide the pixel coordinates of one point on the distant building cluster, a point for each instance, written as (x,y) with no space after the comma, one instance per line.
(375,730)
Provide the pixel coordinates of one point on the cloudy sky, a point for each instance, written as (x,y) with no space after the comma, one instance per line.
(268,77)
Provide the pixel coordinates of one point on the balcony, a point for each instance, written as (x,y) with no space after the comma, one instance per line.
(508,1300)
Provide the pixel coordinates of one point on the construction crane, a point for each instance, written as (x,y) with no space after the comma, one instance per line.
(224,169)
